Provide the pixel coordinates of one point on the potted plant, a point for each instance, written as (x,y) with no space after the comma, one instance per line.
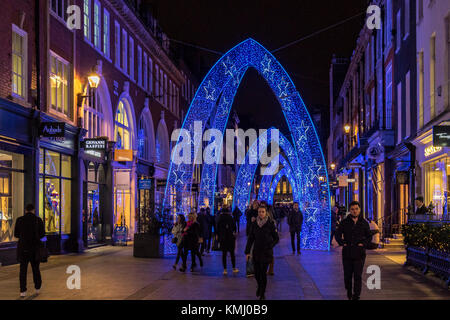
(149,242)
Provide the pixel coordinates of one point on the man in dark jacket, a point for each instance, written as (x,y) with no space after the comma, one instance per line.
(353,233)
(420,206)
(295,222)
(227,238)
(205,232)
(29,230)
(237,217)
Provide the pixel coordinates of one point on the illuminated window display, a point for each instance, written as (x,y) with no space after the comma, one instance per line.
(94,208)
(123,195)
(55,188)
(11,193)
(437,177)
(122,134)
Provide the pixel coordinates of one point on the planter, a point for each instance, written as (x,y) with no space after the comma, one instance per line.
(148,246)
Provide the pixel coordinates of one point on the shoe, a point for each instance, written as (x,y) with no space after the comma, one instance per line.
(23,294)
(37,291)
(235,270)
(183,269)
(174,267)
(192,269)
(262,297)
(249,275)
(355,297)
(257,292)
(349,295)
(225,272)
(298,252)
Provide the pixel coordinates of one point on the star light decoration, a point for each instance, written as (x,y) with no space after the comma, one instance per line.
(227,73)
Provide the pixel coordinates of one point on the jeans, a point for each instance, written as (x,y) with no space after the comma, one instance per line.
(224,258)
(353,269)
(293,234)
(194,252)
(25,258)
(261,275)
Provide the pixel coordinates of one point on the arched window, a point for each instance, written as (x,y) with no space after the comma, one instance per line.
(143,144)
(122,128)
(93,114)
(162,148)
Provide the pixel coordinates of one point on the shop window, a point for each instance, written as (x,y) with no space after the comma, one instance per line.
(55,189)
(11,193)
(122,134)
(437,177)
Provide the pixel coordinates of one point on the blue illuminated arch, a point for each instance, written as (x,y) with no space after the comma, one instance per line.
(212,104)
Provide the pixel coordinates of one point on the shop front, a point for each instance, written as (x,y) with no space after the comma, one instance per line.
(146,194)
(434,175)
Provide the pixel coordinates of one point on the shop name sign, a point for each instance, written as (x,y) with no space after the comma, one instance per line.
(98,144)
(441,136)
(52,129)
(431,150)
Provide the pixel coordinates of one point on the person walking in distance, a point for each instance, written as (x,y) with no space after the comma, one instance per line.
(334,213)
(192,240)
(263,236)
(237,217)
(227,238)
(353,233)
(295,222)
(177,232)
(29,230)
(203,220)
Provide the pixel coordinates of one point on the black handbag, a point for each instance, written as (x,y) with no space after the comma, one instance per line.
(42,251)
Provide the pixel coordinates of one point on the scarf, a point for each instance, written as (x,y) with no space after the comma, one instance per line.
(261,222)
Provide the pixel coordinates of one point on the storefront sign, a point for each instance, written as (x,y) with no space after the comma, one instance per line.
(343,181)
(431,150)
(441,136)
(145,184)
(120,235)
(98,144)
(123,155)
(52,129)
(123,180)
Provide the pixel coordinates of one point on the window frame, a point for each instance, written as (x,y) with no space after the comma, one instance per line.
(106,32)
(87,21)
(97,26)
(24,56)
(68,84)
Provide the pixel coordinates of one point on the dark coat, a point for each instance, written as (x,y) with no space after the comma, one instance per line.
(29,230)
(263,239)
(295,221)
(226,228)
(237,214)
(422,210)
(350,235)
(192,236)
(205,225)
(333,220)
(249,214)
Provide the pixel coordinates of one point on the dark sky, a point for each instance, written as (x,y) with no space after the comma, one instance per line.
(221,24)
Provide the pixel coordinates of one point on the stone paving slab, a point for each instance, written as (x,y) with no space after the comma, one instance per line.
(113,273)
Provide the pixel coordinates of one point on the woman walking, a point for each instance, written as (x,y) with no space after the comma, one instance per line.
(192,240)
(263,236)
(227,238)
(177,232)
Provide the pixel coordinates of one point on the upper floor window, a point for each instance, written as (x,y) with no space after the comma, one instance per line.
(59,85)
(117,44)
(389,96)
(166,91)
(124,51)
(19,62)
(122,128)
(150,75)
(106,38)
(399,29)
(161,86)
(97,41)
(131,58)
(139,65)
(87,19)
(145,68)
(142,140)
(93,115)
(59,8)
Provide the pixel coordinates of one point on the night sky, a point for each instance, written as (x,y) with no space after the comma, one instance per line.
(220,25)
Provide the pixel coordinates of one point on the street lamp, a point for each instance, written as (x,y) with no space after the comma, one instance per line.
(94,81)
(333,166)
(347,128)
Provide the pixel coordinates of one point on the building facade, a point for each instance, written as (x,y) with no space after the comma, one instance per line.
(86,118)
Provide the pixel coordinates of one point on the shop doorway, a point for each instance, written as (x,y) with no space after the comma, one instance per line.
(123,210)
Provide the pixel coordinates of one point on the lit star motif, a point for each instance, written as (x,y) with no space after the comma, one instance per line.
(230,67)
(301,143)
(267,71)
(206,180)
(179,173)
(223,108)
(209,89)
(287,104)
(282,87)
(311,214)
(314,170)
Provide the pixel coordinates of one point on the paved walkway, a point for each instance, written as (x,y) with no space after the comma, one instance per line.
(113,273)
